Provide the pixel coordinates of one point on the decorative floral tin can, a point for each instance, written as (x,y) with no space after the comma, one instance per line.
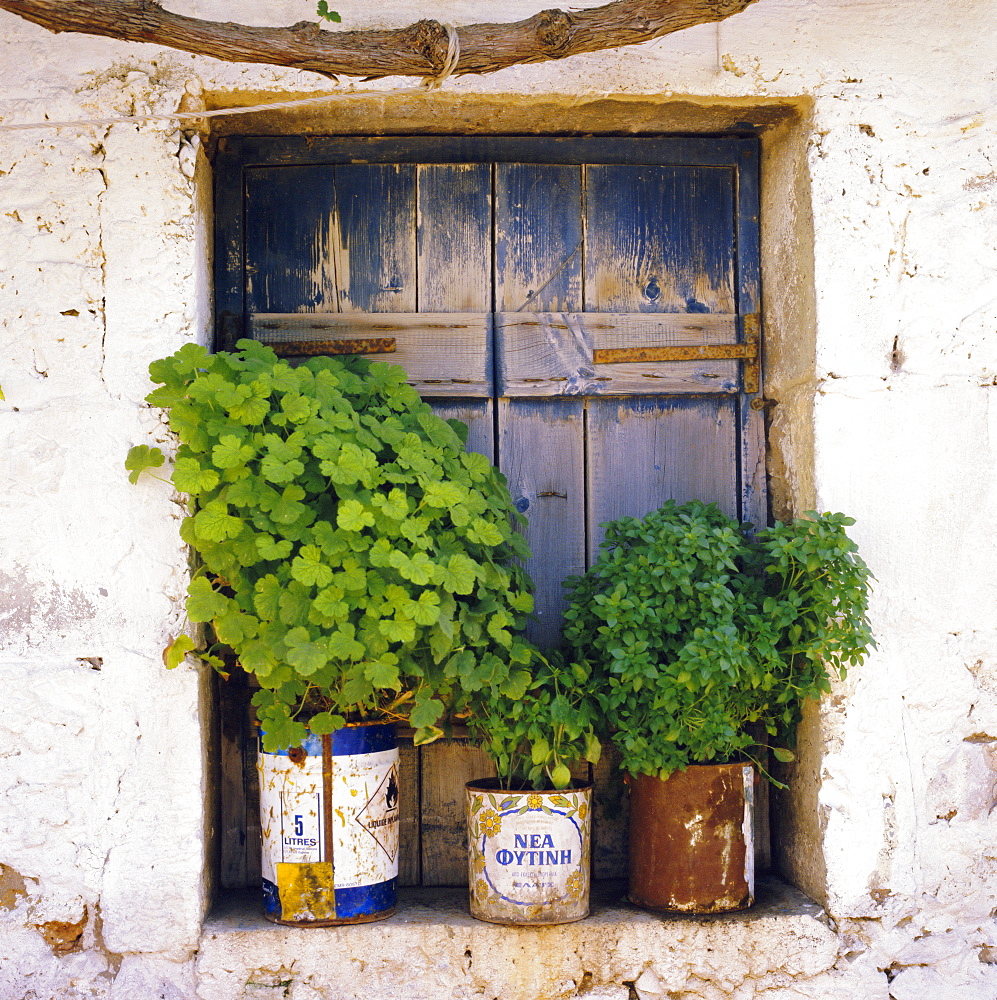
(529,853)
(329,818)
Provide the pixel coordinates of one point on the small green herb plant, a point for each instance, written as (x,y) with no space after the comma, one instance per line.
(534,739)
(354,557)
(704,641)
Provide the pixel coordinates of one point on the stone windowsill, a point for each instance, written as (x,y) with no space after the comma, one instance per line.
(432,949)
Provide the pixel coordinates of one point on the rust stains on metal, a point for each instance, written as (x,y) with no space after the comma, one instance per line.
(747,352)
(327,796)
(297,755)
(314,348)
(691,848)
(707,352)
(751,326)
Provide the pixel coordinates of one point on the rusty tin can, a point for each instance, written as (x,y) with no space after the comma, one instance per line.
(329,818)
(529,853)
(692,840)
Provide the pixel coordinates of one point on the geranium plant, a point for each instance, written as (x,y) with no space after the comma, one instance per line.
(352,554)
(705,641)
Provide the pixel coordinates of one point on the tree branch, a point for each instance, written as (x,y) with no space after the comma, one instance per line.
(417,50)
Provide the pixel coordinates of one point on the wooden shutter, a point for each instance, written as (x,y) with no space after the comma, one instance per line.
(544,292)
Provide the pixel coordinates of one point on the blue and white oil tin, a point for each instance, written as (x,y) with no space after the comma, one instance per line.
(529,854)
(329,818)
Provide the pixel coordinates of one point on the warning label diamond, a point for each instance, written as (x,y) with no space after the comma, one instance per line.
(379,817)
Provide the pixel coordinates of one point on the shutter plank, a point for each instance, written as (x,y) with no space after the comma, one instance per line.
(477,414)
(642,452)
(446,768)
(454,238)
(251,782)
(372,246)
(544,354)
(454,277)
(409,793)
(233,718)
(538,237)
(444,354)
(543,458)
(290,217)
(331,239)
(610,816)
(660,239)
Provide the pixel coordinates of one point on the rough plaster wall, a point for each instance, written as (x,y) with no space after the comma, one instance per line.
(883,366)
(101,763)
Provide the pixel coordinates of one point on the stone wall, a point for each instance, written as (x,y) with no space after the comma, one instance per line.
(880,288)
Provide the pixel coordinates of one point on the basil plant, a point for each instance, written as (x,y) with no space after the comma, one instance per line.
(705,641)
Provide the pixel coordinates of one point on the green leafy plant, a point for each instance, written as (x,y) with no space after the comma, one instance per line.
(353,555)
(705,641)
(536,732)
(326,14)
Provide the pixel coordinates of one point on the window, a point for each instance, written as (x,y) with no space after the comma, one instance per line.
(545,292)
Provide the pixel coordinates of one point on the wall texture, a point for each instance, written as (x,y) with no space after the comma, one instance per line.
(881,309)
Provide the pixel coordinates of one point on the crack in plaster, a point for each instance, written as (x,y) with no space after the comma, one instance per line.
(101,151)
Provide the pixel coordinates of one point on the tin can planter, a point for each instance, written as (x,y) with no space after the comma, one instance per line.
(528,854)
(329,819)
(692,839)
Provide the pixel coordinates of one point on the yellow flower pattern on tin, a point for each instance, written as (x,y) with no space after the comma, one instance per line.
(575,883)
(491,822)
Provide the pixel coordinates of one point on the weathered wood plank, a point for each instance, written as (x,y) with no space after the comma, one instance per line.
(643,451)
(541,443)
(331,239)
(455,277)
(444,354)
(289,223)
(232,735)
(660,239)
(251,780)
(454,237)
(545,354)
(372,243)
(754,499)
(477,414)
(409,795)
(446,769)
(230,277)
(678,151)
(538,237)
(761,821)
(610,816)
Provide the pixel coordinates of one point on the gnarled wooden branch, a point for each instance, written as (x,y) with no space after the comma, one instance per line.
(417,50)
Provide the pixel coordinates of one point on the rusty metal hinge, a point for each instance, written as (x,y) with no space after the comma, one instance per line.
(312,348)
(747,351)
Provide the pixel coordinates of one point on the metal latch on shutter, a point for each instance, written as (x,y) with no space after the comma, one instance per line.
(313,348)
(746,351)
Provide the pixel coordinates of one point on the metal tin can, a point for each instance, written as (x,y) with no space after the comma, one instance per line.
(529,853)
(692,839)
(329,819)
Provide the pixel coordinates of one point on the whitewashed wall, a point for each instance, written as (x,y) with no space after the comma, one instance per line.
(885,319)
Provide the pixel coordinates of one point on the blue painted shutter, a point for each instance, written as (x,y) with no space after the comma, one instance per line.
(508,272)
